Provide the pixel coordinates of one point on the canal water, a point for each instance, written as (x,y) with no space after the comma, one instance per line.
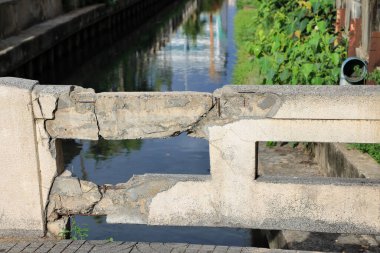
(187,47)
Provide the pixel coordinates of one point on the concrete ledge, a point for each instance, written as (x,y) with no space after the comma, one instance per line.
(21,208)
(337,160)
(82,116)
(21,48)
(301,101)
(16,15)
(17,50)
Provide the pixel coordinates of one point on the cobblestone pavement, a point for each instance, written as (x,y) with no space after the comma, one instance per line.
(68,246)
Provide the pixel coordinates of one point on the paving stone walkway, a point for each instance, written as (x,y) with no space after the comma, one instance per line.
(69,246)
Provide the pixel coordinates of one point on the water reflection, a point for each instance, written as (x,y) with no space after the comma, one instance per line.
(114,162)
(102,149)
(186,47)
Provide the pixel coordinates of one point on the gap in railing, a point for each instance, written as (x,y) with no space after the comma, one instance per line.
(98,229)
(286,159)
(116,161)
(289,159)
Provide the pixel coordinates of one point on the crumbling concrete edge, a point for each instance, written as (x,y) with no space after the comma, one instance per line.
(82,102)
(122,203)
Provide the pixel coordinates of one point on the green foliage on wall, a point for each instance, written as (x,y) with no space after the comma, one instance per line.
(374,76)
(287,42)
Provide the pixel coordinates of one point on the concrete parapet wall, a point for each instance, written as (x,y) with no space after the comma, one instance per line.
(16,15)
(81,113)
(233,119)
(21,209)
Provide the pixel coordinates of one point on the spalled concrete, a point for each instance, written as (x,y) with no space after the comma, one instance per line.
(149,115)
(122,203)
(74,116)
(86,115)
(44,102)
(233,119)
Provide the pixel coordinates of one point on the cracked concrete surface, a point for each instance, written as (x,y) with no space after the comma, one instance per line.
(83,114)
(149,199)
(122,203)
(233,119)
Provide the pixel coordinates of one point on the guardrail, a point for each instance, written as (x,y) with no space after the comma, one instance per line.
(233,119)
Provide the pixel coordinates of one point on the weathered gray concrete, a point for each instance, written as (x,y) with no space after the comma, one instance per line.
(21,209)
(273,203)
(290,102)
(75,107)
(44,102)
(267,202)
(149,115)
(233,119)
(227,105)
(288,161)
(339,160)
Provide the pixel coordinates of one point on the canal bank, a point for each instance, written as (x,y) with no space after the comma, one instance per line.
(183,50)
(173,63)
(38,46)
(287,44)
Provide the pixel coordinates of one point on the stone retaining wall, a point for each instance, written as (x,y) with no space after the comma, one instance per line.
(64,33)
(338,160)
(16,15)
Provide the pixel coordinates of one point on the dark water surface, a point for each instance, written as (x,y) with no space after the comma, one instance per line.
(188,46)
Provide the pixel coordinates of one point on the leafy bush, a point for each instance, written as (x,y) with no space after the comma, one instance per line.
(374,76)
(288,42)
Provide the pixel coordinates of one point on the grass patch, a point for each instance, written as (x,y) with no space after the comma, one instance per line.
(372,149)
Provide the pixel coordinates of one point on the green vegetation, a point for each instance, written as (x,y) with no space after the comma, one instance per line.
(104,149)
(374,76)
(287,42)
(291,42)
(75,232)
(371,149)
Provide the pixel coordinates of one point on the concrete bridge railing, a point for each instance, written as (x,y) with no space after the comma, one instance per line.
(36,197)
